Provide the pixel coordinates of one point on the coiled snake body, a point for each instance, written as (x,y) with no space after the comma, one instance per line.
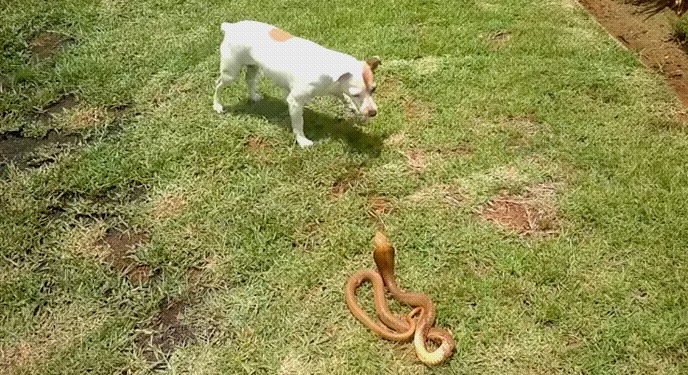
(396,328)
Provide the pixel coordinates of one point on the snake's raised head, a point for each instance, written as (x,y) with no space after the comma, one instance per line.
(384,256)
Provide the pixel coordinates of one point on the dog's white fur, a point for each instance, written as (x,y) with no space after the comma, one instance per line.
(302,67)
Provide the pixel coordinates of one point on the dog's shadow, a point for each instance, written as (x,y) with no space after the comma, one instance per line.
(317,126)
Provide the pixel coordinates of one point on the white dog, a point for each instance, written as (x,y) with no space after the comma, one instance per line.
(300,66)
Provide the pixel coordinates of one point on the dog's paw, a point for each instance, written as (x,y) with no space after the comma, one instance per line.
(218,107)
(303,141)
(256,97)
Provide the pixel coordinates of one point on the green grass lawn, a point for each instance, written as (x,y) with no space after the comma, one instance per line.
(246,240)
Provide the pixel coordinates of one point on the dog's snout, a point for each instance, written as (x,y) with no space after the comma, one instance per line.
(372,112)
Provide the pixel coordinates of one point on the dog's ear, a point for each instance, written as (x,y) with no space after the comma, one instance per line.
(373,62)
(345,78)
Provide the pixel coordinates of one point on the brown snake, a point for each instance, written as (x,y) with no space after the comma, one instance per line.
(396,328)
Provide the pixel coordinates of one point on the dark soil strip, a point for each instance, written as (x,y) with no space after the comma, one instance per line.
(158,338)
(68,101)
(14,148)
(650,35)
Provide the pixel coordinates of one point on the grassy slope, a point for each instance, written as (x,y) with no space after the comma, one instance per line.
(606,295)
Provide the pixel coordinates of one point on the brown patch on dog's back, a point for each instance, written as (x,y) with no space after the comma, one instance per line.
(279,35)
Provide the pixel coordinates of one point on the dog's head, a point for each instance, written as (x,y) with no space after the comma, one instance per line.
(360,87)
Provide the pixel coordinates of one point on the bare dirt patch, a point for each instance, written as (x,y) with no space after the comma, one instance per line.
(17,149)
(120,247)
(47,44)
(256,143)
(416,110)
(168,206)
(532,213)
(378,208)
(306,237)
(158,338)
(649,35)
(32,152)
(417,159)
(499,39)
(66,102)
(346,181)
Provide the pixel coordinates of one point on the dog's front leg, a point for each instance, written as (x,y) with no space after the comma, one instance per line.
(296,104)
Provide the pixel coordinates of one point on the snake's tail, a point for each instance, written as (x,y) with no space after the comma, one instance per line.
(439,355)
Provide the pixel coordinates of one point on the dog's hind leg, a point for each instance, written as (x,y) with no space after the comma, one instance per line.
(229,70)
(252,77)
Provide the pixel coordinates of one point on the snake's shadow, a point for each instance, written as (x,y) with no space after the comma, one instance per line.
(317,126)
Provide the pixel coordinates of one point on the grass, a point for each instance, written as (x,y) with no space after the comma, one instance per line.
(256,237)
(680,30)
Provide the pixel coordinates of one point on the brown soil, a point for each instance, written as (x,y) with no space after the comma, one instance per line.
(417,111)
(417,159)
(121,245)
(306,237)
(649,35)
(379,206)
(500,39)
(67,102)
(256,143)
(345,182)
(529,214)
(168,206)
(158,338)
(46,44)
(31,152)
(15,149)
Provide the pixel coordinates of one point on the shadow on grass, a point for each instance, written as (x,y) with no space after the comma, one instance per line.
(317,126)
